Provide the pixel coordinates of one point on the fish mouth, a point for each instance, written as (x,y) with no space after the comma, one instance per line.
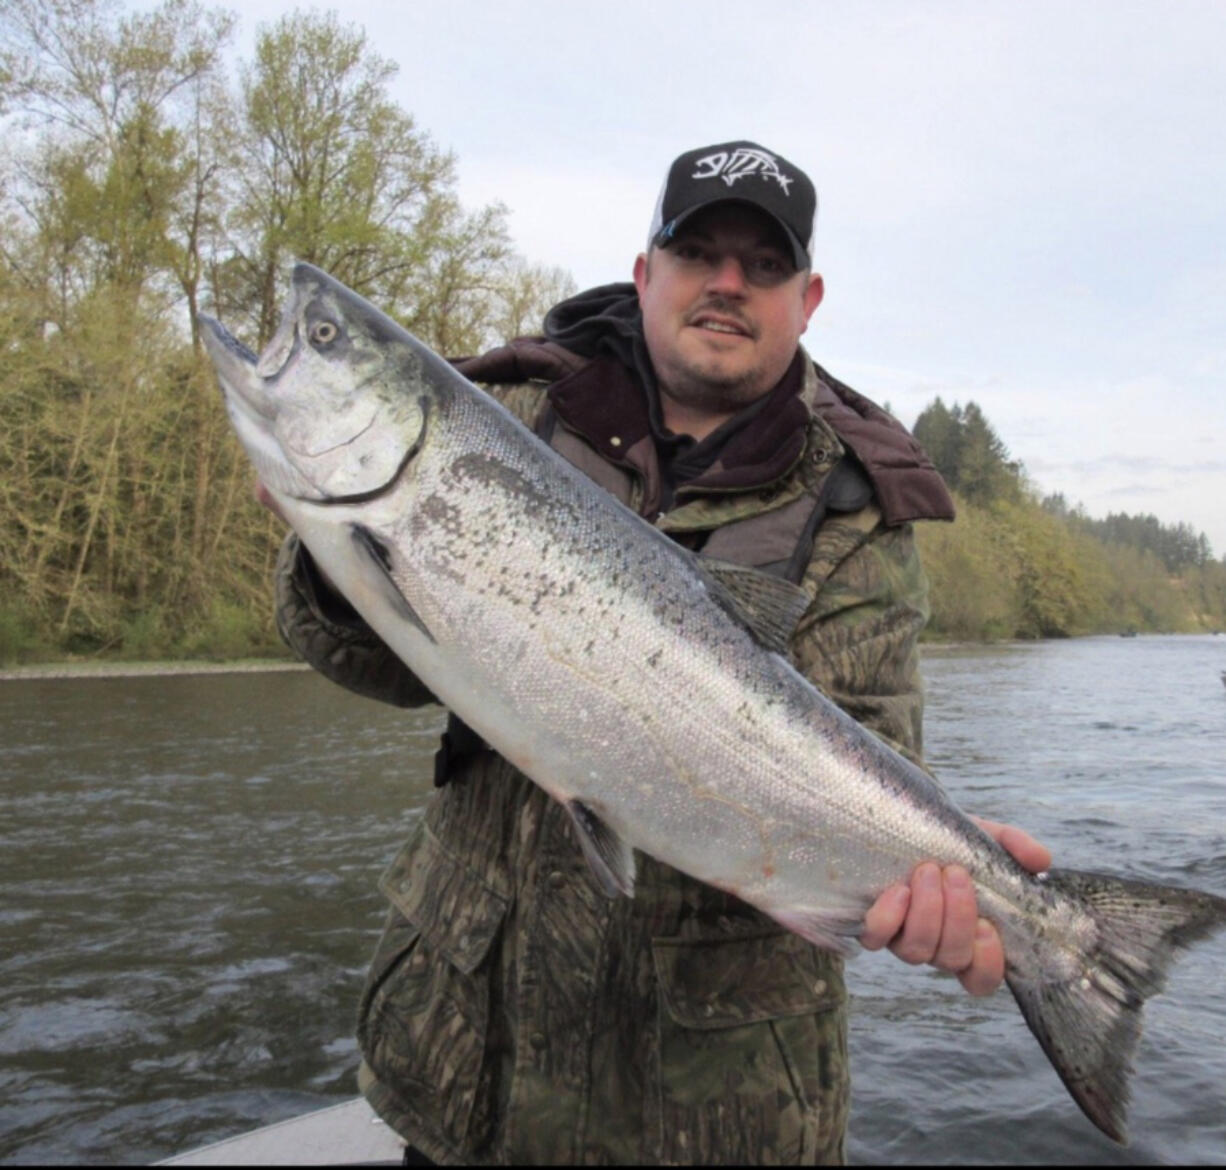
(237,368)
(252,409)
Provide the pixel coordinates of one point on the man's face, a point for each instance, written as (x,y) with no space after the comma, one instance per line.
(723,308)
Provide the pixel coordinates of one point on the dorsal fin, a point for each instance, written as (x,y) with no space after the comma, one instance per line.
(768,606)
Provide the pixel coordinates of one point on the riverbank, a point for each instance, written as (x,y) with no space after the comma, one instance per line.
(101,668)
(98,668)
(94,668)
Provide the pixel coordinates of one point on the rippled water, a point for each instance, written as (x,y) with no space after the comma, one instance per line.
(1113,752)
(189,869)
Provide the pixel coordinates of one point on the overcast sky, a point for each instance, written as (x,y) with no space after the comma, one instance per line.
(1022,204)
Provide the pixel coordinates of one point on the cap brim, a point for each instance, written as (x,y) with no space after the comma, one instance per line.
(666,234)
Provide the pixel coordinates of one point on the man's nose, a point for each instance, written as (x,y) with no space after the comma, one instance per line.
(728,277)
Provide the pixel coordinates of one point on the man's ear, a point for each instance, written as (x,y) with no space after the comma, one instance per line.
(814,291)
(640,273)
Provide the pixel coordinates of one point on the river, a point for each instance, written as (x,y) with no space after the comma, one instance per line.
(189,868)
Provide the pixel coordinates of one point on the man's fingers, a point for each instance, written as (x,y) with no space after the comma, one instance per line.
(921,933)
(955,952)
(885,917)
(1026,851)
(987,967)
(265,497)
(941,927)
(936,920)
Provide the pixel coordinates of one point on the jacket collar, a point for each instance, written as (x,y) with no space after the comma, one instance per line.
(907,485)
(605,404)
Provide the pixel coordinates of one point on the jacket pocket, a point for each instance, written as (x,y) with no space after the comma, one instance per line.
(752,1050)
(424,1014)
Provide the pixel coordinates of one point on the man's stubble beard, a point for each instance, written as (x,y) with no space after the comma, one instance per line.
(695,388)
(698,386)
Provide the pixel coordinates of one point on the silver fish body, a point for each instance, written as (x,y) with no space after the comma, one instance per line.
(645,689)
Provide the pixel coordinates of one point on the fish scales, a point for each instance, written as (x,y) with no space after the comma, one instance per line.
(616,619)
(642,687)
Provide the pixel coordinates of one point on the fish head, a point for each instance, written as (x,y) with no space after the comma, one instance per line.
(336,406)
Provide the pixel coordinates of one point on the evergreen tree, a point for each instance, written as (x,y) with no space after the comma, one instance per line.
(985,472)
(967,451)
(939,431)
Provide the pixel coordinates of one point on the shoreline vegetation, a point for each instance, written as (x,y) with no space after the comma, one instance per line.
(154,175)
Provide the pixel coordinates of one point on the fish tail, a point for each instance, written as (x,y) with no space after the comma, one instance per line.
(1088,1020)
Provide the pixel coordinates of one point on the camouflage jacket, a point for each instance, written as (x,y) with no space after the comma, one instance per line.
(512,1013)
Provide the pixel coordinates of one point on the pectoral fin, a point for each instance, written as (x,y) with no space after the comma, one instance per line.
(611,859)
(380,558)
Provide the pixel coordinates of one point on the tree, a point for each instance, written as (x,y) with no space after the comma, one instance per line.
(939,431)
(99,192)
(985,472)
(525,294)
(144,184)
(104,92)
(968,452)
(334,173)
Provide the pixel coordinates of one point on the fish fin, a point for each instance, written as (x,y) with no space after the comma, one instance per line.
(829,929)
(380,556)
(768,606)
(611,859)
(1089,1023)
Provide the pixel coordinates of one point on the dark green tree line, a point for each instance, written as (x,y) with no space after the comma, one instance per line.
(968,452)
(1015,566)
(1178,546)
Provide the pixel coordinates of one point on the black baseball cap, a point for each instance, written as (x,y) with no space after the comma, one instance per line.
(741,172)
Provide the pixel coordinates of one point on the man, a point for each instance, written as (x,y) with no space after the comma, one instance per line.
(512,1012)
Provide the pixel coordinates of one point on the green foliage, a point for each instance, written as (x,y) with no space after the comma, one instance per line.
(1013,566)
(968,452)
(1178,546)
(1018,568)
(20,639)
(145,635)
(333,172)
(229,629)
(147,182)
(1046,566)
(974,597)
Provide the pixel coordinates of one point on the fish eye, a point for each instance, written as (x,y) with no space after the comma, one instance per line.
(323,332)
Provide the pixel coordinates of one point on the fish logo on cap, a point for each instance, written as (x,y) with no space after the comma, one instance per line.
(739,164)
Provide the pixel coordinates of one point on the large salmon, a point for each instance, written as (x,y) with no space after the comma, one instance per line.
(645,689)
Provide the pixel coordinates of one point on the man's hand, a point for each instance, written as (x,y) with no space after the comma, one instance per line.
(265,497)
(935,920)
